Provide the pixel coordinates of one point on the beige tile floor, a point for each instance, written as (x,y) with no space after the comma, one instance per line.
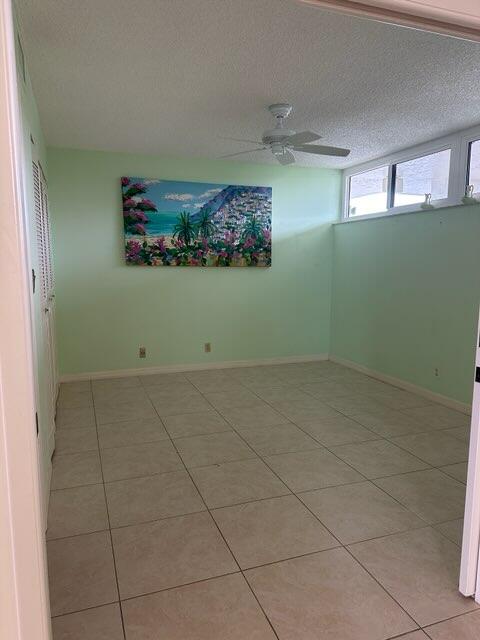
(299,502)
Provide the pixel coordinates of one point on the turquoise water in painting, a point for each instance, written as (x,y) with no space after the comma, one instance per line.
(160,224)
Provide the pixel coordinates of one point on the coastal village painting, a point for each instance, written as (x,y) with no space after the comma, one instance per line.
(170,223)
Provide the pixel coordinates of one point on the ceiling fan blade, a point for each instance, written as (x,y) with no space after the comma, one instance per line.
(286,157)
(239,153)
(302,137)
(322,151)
(241,140)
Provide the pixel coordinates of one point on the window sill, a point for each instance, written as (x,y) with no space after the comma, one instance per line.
(392,213)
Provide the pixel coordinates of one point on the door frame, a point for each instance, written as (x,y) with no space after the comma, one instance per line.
(24,603)
(470,564)
(461,21)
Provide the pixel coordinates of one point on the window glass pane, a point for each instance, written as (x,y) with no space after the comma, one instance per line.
(474,177)
(368,192)
(415,178)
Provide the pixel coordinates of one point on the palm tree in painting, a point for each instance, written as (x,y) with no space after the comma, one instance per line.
(205,226)
(252,227)
(185,229)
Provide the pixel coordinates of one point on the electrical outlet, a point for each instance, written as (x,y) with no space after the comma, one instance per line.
(207,347)
(142,352)
(437,373)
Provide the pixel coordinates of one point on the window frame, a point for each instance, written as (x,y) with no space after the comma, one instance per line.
(468,166)
(348,184)
(459,145)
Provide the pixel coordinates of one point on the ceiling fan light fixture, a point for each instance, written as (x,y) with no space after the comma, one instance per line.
(277,149)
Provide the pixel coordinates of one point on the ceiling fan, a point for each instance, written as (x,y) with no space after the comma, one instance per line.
(282,141)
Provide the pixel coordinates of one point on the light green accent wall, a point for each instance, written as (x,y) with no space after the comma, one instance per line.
(406,291)
(106,310)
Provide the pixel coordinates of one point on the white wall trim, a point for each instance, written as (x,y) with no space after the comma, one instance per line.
(231,364)
(24,605)
(463,21)
(175,368)
(407,386)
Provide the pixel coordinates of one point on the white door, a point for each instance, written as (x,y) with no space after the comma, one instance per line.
(45,289)
(24,606)
(470,566)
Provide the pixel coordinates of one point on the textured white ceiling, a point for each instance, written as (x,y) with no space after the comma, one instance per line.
(174,76)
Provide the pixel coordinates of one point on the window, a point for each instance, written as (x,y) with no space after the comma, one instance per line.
(381,189)
(473,177)
(447,168)
(426,174)
(368,192)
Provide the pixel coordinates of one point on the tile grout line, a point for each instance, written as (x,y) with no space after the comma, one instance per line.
(372,480)
(401,410)
(96,606)
(290,493)
(345,547)
(215,523)
(458,615)
(379,438)
(109,525)
(340,545)
(151,593)
(333,453)
(348,464)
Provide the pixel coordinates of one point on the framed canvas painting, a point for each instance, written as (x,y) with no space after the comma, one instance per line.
(172,224)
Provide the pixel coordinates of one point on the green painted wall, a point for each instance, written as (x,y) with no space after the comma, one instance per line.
(106,310)
(405,298)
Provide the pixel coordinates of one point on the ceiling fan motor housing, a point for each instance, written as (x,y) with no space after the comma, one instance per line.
(275,137)
(280,110)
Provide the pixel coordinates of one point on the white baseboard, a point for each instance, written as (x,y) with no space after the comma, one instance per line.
(230,364)
(407,386)
(176,368)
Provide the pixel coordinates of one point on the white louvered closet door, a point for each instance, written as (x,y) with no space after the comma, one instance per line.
(45,281)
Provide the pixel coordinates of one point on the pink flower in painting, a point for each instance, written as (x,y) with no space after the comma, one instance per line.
(139,185)
(125,182)
(129,203)
(132,251)
(249,242)
(133,246)
(194,262)
(160,244)
(139,228)
(267,235)
(223,254)
(140,216)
